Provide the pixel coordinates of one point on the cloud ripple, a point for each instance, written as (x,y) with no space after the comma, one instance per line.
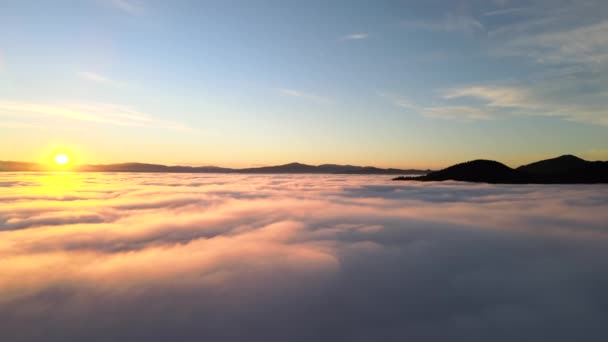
(152,257)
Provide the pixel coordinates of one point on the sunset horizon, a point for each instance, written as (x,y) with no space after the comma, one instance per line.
(69,164)
(319,170)
(392,85)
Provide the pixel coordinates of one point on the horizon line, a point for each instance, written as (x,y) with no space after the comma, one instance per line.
(50,167)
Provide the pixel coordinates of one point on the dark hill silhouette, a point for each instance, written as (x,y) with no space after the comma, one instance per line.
(566,169)
(488,171)
(143,167)
(329,169)
(560,165)
(13,166)
(287,168)
(377,171)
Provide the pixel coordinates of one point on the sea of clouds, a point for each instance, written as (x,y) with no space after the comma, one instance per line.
(180,257)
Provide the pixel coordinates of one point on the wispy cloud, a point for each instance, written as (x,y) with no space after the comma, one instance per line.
(506,11)
(132,7)
(573,33)
(303,95)
(355,36)
(450,23)
(94,113)
(496,96)
(447,111)
(99,78)
(586,45)
(483,102)
(568,48)
(457,113)
(522,100)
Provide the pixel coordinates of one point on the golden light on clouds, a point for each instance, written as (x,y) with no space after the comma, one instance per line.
(172,248)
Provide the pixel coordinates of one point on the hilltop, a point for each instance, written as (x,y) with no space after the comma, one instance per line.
(566,169)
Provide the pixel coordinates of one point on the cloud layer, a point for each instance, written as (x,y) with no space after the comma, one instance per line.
(272,258)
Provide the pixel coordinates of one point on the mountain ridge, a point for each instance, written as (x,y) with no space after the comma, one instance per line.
(565,169)
(290,168)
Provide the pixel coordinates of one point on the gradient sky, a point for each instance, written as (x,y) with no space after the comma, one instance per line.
(244,83)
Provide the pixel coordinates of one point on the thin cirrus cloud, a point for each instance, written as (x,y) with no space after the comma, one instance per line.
(585,45)
(355,36)
(506,11)
(486,102)
(495,96)
(133,7)
(303,95)
(551,37)
(530,101)
(571,58)
(99,113)
(276,258)
(445,111)
(450,23)
(100,79)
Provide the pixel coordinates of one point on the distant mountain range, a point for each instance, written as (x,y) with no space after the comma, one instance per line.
(10,166)
(567,169)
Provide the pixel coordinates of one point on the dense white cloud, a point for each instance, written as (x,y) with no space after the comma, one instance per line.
(272,258)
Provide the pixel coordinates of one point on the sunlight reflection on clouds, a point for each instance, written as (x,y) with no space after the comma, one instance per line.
(305,257)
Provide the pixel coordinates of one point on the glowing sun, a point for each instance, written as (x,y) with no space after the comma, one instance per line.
(61,159)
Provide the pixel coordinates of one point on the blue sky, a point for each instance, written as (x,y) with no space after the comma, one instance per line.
(240,83)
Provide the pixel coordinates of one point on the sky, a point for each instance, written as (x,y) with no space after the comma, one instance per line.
(163,257)
(244,83)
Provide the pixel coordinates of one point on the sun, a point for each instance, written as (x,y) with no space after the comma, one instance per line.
(61,159)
